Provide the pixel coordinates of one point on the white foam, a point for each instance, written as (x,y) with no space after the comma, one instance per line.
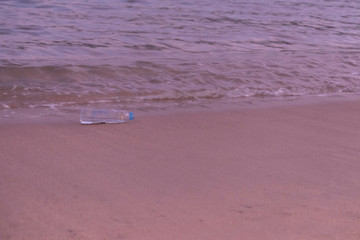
(6,106)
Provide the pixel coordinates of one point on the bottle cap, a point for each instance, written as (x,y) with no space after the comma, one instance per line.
(131,116)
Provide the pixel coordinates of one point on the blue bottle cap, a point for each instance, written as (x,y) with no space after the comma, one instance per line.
(131,116)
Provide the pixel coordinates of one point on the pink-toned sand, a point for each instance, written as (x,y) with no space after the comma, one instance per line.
(276,173)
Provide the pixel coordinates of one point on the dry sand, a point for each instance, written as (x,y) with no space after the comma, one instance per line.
(276,173)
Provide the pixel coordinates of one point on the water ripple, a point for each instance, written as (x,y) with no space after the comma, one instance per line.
(134,51)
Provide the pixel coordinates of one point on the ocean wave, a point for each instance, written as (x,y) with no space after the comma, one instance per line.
(63,55)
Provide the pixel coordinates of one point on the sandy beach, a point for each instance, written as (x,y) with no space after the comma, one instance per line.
(289,172)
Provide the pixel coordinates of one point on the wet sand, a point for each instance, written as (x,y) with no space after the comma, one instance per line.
(273,173)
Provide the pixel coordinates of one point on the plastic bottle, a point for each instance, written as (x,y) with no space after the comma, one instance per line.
(94,116)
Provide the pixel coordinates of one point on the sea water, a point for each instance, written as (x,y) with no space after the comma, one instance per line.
(59,56)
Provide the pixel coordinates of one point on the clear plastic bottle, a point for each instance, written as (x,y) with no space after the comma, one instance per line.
(94,116)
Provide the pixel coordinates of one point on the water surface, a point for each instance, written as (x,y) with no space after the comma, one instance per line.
(57,56)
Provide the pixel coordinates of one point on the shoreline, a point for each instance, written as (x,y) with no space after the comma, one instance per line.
(43,116)
(286,172)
